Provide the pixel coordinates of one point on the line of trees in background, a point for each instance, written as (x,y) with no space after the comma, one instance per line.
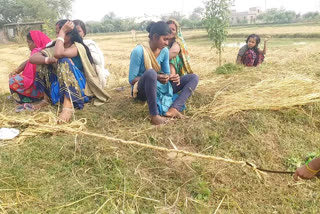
(49,11)
(275,16)
(13,11)
(112,23)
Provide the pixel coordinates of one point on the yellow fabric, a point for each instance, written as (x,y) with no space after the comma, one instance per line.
(150,61)
(93,86)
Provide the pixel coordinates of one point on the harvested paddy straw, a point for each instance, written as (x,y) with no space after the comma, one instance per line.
(274,94)
(46,123)
(40,123)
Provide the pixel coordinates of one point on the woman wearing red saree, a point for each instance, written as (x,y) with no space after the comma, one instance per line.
(22,79)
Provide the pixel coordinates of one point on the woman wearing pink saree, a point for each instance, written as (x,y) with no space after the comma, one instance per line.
(22,78)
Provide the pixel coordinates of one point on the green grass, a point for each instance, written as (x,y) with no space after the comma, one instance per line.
(229,68)
(62,173)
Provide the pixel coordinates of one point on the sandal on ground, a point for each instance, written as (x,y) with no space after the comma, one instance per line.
(19,108)
(22,107)
(65,115)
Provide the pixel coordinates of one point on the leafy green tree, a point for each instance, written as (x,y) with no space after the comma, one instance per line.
(311,16)
(197,14)
(276,16)
(216,21)
(174,15)
(12,11)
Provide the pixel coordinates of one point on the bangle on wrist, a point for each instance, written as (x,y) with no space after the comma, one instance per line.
(61,39)
(311,170)
(46,60)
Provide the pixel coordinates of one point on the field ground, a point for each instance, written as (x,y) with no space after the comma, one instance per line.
(49,173)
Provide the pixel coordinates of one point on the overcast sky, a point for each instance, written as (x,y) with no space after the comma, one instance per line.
(94,10)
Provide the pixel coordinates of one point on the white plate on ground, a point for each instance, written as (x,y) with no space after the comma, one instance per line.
(8,133)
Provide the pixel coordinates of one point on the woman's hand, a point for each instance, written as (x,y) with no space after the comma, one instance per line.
(67,27)
(303,173)
(12,73)
(52,60)
(175,78)
(267,39)
(163,78)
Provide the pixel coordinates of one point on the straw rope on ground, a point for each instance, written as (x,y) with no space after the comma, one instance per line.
(273,93)
(44,123)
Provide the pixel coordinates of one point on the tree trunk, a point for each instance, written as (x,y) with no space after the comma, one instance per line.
(220,53)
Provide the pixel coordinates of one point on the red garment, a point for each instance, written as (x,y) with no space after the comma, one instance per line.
(40,40)
(250,58)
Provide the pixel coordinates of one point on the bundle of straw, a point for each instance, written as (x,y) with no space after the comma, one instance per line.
(40,123)
(274,94)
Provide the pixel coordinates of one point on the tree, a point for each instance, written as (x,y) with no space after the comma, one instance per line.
(26,10)
(174,15)
(276,16)
(109,17)
(216,21)
(311,16)
(197,14)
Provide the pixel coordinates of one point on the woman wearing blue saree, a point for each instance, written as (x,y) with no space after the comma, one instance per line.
(65,72)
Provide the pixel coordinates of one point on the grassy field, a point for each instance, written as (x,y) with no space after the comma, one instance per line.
(63,173)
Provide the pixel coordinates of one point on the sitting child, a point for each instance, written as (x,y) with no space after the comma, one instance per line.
(250,54)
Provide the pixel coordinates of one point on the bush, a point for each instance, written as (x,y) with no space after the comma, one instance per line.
(229,68)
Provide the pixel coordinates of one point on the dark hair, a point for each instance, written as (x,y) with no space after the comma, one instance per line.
(75,37)
(80,23)
(173,40)
(29,37)
(172,22)
(255,49)
(158,28)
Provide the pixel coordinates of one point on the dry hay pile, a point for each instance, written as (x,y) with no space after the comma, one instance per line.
(40,123)
(274,94)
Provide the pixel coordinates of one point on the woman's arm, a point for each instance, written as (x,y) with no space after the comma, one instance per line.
(135,62)
(241,52)
(265,46)
(239,62)
(19,69)
(40,59)
(60,51)
(174,50)
(308,171)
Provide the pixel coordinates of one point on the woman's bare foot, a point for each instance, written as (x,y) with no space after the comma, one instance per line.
(158,120)
(65,115)
(40,105)
(173,112)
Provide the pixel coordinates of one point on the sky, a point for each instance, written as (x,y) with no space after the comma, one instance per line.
(94,10)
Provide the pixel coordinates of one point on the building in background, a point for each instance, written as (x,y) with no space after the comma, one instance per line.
(19,31)
(248,17)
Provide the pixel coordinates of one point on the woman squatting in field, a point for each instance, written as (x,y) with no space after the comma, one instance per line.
(22,78)
(65,72)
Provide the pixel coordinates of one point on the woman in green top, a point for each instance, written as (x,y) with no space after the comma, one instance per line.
(178,54)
